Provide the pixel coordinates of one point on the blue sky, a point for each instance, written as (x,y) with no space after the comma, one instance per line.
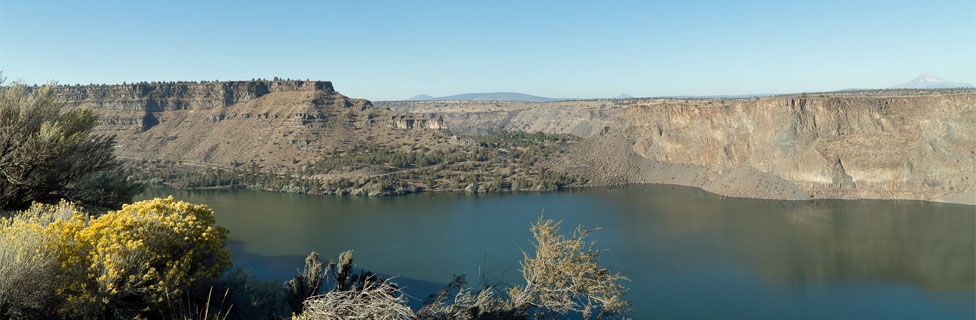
(394,50)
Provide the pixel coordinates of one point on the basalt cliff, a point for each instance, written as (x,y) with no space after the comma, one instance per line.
(884,144)
(270,124)
(887,144)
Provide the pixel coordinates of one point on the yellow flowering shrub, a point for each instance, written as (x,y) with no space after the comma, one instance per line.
(148,251)
(146,254)
(29,252)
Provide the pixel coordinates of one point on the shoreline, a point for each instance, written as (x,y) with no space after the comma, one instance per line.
(966,198)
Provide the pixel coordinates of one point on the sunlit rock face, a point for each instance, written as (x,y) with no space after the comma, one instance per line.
(269,124)
(169,96)
(890,144)
(417,122)
(864,147)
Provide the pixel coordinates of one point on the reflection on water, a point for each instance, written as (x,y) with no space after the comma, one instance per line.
(793,243)
(682,247)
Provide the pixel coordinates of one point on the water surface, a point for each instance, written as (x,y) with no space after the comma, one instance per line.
(688,253)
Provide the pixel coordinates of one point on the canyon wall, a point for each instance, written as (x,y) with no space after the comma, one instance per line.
(888,144)
(268,124)
(576,117)
(795,147)
(170,96)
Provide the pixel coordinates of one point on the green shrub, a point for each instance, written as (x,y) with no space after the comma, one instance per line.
(47,155)
(307,283)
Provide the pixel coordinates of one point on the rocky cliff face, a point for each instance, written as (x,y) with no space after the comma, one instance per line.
(171,96)
(581,118)
(138,105)
(921,147)
(406,121)
(271,124)
(891,144)
(885,144)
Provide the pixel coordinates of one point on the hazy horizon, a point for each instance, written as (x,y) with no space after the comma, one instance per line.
(394,51)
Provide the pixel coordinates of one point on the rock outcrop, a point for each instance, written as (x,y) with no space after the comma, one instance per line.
(890,144)
(409,121)
(798,147)
(874,144)
(268,124)
(171,96)
(576,117)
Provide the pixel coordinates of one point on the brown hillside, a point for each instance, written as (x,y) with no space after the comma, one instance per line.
(269,123)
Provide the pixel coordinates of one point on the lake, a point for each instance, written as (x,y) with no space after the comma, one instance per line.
(688,253)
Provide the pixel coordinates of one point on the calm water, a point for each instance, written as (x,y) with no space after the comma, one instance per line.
(688,253)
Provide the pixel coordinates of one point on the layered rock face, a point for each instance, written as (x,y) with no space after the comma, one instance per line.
(890,144)
(171,96)
(921,147)
(415,122)
(270,124)
(886,144)
(580,117)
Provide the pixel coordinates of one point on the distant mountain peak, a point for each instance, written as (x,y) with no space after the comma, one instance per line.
(420,97)
(927,78)
(487,96)
(623,96)
(929,81)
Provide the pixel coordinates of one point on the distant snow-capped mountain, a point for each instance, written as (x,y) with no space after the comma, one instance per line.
(928,81)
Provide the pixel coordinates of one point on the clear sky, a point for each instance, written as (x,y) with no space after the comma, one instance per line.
(394,50)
